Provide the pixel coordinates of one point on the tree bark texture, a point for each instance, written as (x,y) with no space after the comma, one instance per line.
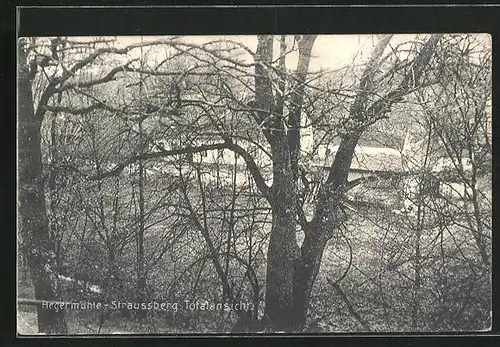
(32,217)
(292,270)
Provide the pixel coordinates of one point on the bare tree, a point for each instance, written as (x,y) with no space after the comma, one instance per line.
(206,101)
(43,74)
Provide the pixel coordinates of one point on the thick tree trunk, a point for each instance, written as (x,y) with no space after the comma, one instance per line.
(283,250)
(306,270)
(33,222)
(282,254)
(321,229)
(305,44)
(291,274)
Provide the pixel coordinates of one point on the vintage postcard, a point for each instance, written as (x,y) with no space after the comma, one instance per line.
(254,184)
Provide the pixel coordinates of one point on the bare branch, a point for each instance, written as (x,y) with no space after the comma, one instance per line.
(75,111)
(107,78)
(113,50)
(410,82)
(350,308)
(252,167)
(155,155)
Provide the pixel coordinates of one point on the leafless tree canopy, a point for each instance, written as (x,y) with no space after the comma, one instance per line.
(283,190)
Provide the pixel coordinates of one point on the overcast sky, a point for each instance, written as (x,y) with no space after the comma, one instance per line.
(329,51)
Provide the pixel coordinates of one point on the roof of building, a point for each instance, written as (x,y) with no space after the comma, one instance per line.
(368,158)
(382,161)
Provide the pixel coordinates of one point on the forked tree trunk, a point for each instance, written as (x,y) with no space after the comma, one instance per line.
(33,222)
(292,271)
(321,229)
(289,273)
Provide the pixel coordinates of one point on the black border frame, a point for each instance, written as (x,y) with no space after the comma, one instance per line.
(248,19)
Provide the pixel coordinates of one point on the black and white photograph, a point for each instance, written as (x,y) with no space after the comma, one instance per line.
(254,184)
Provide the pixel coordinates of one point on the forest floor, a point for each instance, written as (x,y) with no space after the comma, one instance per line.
(369,236)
